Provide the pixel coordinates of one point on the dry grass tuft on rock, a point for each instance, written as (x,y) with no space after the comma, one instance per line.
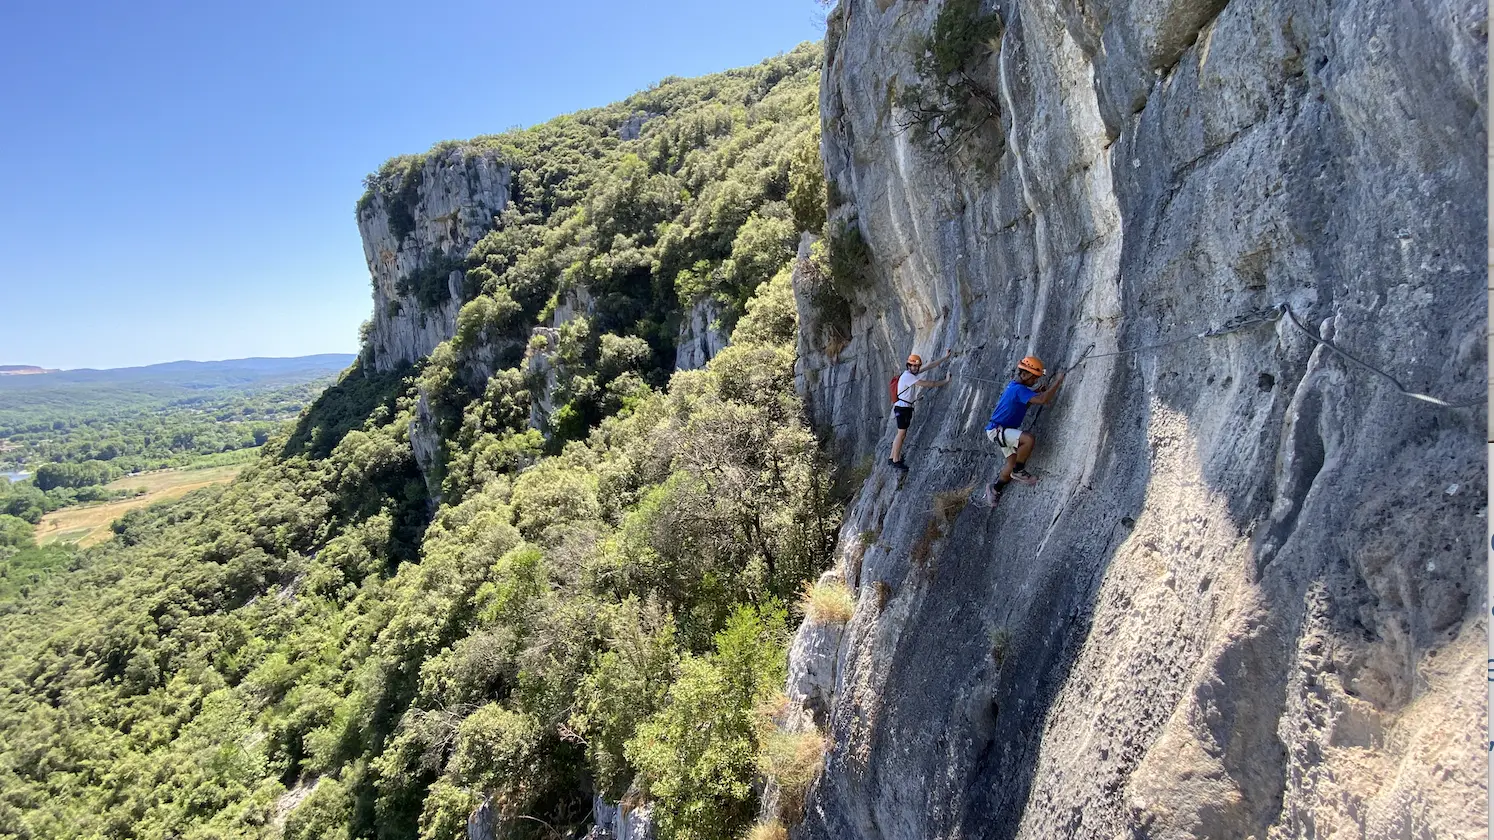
(1001,645)
(793,761)
(772,830)
(947,506)
(856,554)
(772,709)
(827,603)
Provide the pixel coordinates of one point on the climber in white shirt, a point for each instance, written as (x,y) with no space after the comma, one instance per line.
(905,394)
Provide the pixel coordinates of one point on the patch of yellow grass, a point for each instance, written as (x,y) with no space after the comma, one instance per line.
(827,603)
(767,831)
(793,760)
(89,524)
(770,709)
(947,505)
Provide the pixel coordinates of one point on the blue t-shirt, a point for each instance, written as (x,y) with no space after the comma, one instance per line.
(1012,406)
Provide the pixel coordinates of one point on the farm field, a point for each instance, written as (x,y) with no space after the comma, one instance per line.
(89,524)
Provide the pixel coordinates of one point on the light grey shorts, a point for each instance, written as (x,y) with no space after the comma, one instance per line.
(1007,439)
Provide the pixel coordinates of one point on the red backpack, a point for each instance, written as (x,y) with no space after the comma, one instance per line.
(892,387)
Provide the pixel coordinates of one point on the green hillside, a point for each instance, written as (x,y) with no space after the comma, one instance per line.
(314,652)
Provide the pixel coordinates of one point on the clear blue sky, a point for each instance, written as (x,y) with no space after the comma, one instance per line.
(179,177)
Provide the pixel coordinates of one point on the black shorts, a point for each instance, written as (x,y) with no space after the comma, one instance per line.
(904,415)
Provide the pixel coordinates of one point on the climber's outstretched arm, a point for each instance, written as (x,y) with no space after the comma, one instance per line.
(1049,391)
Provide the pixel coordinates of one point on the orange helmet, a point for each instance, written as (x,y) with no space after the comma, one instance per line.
(915,359)
(1033,365)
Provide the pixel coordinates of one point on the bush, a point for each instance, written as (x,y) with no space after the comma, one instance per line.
(323,815)
(16,532)
(772,317)
(485,317)
(698,755)
(622,354)
(431,285)
(550,495)
(626,686)
(807,197)
(85,474)
(495,748)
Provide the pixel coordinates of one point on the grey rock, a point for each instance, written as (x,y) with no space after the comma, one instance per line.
(460,193)
(574,303)
(1239,603)
(425,443)
(619,821)
(813,669)
(633,126)
(485,823)
(701,337)
(539,364)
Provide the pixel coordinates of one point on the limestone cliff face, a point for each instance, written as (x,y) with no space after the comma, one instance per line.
(414,233)
(1247,597)
(701,337)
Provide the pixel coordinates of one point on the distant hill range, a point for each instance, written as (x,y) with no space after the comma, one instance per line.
(65,391)
(192,374)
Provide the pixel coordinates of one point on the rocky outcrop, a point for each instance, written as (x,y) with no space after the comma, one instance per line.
(539,366)
(701,337)
(416,231)
(425,443)
(1247,597)
(625,820)
(813,672)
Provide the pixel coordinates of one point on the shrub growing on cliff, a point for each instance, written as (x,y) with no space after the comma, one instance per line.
(698,755)
(948,104)
(807,197)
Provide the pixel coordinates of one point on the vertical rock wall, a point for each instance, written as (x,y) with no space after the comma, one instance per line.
(425,227)
(701,338)
(1247,597)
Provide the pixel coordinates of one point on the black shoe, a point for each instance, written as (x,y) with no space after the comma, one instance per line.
(899,465)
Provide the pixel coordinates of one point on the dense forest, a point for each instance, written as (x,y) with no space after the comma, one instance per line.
(323,649)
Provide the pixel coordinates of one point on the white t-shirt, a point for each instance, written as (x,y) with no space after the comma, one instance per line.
(907,392)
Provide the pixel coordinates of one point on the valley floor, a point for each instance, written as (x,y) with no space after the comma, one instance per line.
(89,524)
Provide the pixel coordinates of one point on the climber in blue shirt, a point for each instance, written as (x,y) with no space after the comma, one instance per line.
(1005,428)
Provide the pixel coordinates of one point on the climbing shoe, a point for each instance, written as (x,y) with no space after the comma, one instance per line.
(898,465)
(993,495)
(1025,477)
